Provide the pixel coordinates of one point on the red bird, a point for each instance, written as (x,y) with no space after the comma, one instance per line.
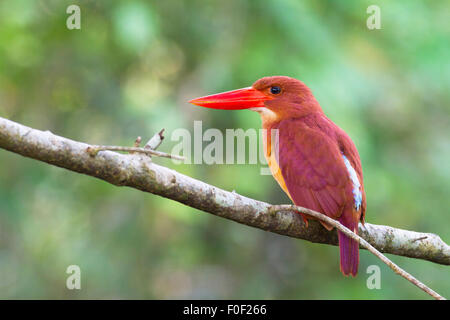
(317,164)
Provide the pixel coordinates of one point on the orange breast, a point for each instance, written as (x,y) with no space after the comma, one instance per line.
(273,164)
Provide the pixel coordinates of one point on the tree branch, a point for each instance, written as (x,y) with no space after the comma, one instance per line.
(139,172)
(363,243)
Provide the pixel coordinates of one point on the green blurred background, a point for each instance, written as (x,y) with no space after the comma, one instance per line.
(130,71)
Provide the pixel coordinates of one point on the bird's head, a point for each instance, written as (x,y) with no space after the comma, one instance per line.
(274,98)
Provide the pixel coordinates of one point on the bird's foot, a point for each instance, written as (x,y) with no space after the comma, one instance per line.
(305,220)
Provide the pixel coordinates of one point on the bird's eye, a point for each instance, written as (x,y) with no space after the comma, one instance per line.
(275,90)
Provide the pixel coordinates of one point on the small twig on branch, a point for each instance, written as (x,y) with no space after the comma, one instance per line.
(94,150)
(155,141)
(149,148)
(137,142)
(362,242)
(418,239)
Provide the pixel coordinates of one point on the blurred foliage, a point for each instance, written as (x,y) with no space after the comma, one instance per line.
(130,71)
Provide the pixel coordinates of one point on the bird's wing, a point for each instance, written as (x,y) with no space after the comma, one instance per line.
(349,150)
(313,168)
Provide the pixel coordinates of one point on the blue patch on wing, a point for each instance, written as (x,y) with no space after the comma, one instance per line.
(357,195)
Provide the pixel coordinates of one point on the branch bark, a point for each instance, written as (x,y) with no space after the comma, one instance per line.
(139,172)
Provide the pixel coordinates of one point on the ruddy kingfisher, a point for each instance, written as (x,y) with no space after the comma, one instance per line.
(315,162)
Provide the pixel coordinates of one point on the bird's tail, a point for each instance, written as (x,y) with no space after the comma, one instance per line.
(349,249)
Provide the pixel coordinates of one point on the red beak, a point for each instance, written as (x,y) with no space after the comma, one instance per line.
(233,100)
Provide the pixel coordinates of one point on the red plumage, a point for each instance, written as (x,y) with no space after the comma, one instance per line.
(317,164)
(311,160)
